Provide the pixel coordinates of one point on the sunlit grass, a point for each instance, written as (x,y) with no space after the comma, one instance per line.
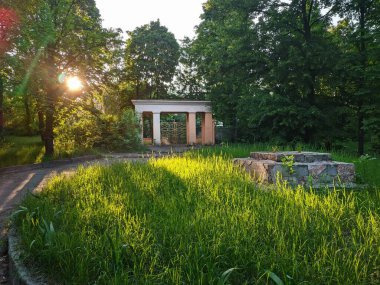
(188,220)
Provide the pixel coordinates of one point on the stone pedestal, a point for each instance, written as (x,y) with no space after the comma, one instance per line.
(298,168)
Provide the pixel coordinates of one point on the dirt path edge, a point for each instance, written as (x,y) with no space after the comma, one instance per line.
(19,273)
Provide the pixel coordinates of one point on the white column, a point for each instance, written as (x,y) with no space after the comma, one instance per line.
(156,129)
(141,122)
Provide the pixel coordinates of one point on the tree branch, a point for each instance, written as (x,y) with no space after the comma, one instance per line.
(66,19)
(323,16)
(310,11)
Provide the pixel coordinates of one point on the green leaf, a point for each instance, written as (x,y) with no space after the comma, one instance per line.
(274,277)
(226,274)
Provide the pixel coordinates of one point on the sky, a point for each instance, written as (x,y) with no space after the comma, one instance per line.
(179,16)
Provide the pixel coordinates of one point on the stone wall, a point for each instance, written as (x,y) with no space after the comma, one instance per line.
(298,168)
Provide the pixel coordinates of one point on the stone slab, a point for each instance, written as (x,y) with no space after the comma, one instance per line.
(298,156)
(301,173)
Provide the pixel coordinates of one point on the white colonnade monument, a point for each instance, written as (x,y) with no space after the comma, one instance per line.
(190,108)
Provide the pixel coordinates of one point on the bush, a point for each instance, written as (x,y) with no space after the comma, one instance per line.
(76,129)
(82,129)
(120,133)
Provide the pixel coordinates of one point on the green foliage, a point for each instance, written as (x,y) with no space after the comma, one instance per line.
(281,70)
(120,133)
(288,163)
(77,129)
(152,54)
(188,81)
(82,129)
(49,44)
(194,219)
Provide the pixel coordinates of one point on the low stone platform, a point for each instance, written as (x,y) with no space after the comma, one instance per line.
(298,168)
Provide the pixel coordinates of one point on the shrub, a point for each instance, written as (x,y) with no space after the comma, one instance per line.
(76,129)
(120,133)
(82,129)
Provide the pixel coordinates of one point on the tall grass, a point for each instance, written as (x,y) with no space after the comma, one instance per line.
(197,220)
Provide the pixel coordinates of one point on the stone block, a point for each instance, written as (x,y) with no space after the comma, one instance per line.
(298,156)
(346,172)
(308,168)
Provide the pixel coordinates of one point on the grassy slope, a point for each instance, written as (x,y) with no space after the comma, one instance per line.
(187,220)
(27,150)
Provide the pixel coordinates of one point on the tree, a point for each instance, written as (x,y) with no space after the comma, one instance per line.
(224,48)
(8,25)
(152,54)
(300,59)
(274,60)
(57,33)
(359,68)
(188,82)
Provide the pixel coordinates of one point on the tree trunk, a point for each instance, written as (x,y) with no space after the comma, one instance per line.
(51,99)
(235,130)
(306,20)
(360,131)
(41,125)
(363,63)
(52,92)
(28,119)
(1,108)
(49,136)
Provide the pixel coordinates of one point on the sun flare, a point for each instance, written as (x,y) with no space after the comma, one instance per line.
(74,83)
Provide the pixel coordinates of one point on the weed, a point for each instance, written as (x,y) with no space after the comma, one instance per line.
(288,163)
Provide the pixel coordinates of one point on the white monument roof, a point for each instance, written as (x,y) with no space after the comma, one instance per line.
(172,106)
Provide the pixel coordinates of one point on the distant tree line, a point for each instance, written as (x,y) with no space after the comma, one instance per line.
(291,71)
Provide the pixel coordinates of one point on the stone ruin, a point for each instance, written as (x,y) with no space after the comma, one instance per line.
(298,168)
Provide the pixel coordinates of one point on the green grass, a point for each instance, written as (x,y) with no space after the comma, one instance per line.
(21,150)
(191,220)
(27,150)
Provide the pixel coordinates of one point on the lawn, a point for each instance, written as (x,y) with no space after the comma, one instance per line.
(18,150)
(198,220)
(21,150)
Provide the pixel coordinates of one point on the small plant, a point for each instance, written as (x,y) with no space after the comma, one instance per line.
(310,180)
(275,148)
(48,232)
(366,157)
(288,163)
(273,276)
(226,274)
(299,147)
